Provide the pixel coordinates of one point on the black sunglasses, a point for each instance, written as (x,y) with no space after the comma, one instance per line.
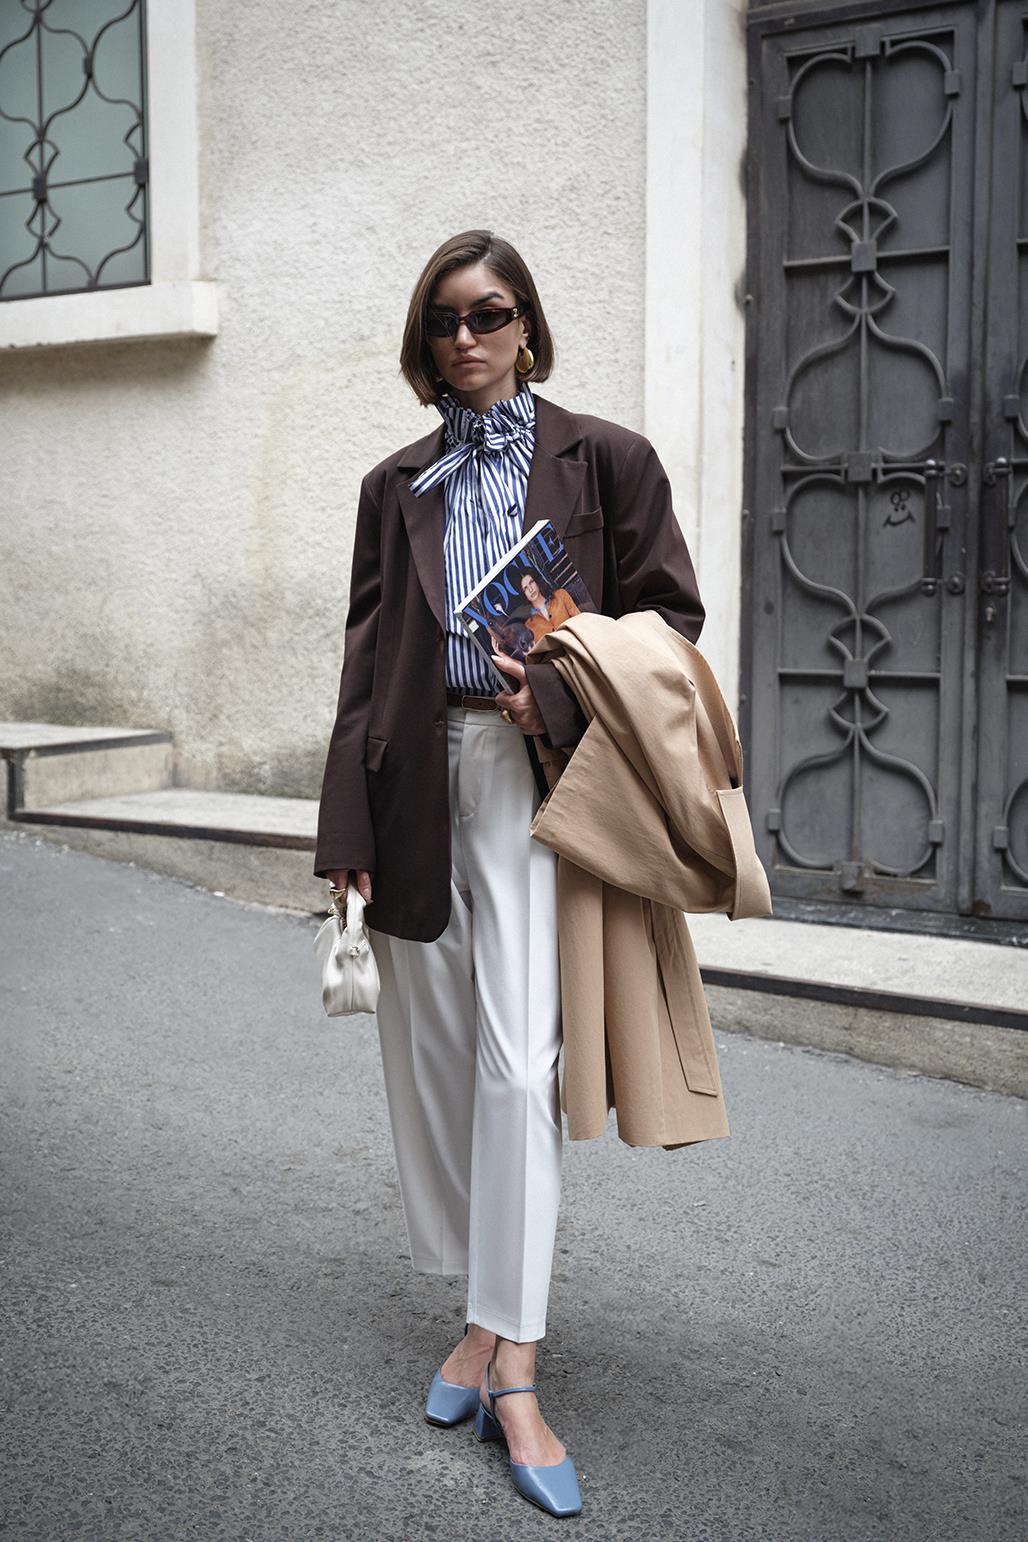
(446,323)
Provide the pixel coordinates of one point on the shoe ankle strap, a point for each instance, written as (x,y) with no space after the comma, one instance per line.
(504,1391)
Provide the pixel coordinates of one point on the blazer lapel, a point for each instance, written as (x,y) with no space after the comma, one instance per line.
(555,479)
(424,518)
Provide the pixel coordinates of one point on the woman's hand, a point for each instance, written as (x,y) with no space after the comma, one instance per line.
(340,877)
(521,704)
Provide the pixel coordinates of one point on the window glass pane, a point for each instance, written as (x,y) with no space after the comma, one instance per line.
(125,267)
(24,282)
(116,55)
(91,220)
(64,274)
(94,124)
(85,17)
(91,140)
(64,81)
(15,21)
(81,62)
(17,243)
(17,95)
(15,168)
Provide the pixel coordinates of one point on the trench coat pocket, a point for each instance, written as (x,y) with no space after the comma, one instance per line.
(374,753)
(752,894)
(585,519)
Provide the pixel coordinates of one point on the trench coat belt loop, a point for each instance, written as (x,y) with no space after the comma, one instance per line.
(481,703)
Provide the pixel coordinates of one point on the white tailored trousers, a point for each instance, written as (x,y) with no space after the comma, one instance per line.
(470,1032)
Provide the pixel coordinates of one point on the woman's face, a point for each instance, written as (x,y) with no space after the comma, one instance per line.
(479,369)
(531,590)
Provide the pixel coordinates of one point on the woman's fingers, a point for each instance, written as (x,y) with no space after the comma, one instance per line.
(521,704)
(341,877)
(510,667)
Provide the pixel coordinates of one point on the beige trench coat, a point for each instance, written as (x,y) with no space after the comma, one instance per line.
(648,818)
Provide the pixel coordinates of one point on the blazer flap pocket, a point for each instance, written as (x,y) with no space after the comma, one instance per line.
(374,753)
(752,894)
(585,519)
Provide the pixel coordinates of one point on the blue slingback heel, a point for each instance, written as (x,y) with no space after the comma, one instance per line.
(554,1489)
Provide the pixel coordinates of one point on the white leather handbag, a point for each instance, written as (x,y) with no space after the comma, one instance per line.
(349,973)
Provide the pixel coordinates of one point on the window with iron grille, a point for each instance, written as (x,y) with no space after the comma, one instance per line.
(73,147)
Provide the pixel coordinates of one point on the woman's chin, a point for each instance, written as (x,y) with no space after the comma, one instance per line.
(468,382)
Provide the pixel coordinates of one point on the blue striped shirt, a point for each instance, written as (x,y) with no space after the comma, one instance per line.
(485,468)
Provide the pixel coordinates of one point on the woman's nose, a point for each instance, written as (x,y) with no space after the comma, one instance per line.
(464,337)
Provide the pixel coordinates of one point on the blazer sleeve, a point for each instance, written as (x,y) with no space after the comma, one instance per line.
(654,572)
(345,835)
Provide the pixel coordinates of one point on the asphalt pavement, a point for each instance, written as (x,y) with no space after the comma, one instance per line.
(209,1327)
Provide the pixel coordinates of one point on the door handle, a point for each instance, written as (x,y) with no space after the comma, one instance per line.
(994,571)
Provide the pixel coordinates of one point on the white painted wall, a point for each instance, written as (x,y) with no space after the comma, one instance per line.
(176,516)
(695,270)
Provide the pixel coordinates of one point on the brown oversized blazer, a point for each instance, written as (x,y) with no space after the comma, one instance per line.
(385,791)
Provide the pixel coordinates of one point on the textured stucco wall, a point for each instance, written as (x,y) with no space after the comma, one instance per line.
(695,287)
(177,517)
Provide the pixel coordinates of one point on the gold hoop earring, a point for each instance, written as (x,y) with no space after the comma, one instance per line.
(525,361)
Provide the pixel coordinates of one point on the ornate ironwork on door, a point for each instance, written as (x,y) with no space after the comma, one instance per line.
(880,514)
(1002,800)
(73,154)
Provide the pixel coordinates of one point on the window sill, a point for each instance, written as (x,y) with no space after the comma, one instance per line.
(181,308)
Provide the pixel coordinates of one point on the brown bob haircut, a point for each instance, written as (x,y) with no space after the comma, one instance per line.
(416,363)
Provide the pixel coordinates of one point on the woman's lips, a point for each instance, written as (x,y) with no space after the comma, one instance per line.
(466,363)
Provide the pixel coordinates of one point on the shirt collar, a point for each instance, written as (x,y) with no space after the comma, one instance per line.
(465,426)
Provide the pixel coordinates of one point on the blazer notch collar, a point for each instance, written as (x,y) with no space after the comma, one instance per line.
(556,429)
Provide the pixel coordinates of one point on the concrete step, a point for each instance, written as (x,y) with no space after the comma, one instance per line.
(934,975)
(58,763)
(192,814)
(934,1005)
(109,791)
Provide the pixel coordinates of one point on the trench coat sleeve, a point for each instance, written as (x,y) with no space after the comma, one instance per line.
(345,835)
(654,572)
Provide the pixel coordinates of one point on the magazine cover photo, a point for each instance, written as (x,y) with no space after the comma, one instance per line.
(531,591)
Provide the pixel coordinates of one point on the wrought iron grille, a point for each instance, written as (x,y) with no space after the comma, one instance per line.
(863,423)
(73,146)
(887,668)
(1003,579)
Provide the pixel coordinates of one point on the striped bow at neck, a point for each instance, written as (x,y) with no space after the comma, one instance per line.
(488,453)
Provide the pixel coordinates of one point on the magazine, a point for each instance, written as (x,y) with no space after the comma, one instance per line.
(531,590)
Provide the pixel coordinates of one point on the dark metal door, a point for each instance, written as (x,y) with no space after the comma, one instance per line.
(1001,886)
(878,500)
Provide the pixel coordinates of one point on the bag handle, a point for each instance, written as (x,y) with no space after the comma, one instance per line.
(354,909)
(353,918)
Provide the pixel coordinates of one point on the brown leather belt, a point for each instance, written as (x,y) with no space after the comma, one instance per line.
(479,703)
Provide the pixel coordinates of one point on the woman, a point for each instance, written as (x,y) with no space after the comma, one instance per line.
(549,606)
(431,781)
